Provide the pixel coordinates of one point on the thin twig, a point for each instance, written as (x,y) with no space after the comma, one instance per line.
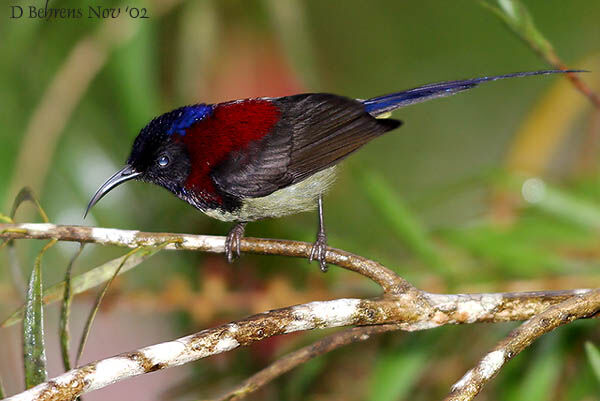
(387,279)
(518,19)
(303,355)
(577,82)
(578,307)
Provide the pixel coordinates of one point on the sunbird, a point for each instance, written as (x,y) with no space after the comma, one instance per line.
(252,159)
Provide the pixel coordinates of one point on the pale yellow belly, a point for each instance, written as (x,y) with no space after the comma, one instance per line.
(296,198)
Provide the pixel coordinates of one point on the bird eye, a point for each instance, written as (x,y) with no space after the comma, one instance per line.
(163,161)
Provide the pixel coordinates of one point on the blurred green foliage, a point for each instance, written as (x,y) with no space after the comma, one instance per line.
(435,200)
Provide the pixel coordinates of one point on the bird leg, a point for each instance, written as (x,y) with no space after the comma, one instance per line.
(319,248)
(232,242)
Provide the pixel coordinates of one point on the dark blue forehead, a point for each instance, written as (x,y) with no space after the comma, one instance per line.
(185,117)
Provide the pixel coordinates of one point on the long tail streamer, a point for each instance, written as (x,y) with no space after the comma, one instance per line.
(383,104)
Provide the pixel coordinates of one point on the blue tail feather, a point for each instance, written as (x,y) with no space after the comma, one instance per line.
(383,104)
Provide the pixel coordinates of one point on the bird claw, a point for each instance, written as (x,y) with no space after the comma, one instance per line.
(233,240)
(319,251)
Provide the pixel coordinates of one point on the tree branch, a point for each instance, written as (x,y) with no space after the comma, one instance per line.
(401,307)
(406,311)
(577,307)
(303,355)
(386,278)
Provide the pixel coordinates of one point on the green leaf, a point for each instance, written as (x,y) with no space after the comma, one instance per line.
(400,219)
(542,375)
(87,280)
(16,272)
(34,352)
(522,258)
(198,19)
(5,218)
(135,72)
(593,355)
(518,19)
(396,373)
(2,391)
(291,24)
(27,194)
(556,201)
(65,312)
(94,311)
(569,207)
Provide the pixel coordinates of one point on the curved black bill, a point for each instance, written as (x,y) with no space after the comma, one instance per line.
(125,174)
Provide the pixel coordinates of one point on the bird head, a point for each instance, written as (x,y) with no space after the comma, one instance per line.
(159,155)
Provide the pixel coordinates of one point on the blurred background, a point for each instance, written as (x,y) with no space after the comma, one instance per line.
(496,189)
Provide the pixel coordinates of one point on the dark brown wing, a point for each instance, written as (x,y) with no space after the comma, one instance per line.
(315,131)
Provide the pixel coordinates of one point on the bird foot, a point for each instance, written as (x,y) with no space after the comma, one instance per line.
(232,242)
(319,251)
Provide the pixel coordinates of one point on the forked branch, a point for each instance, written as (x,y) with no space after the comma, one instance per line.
(577,307)
(402,307)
